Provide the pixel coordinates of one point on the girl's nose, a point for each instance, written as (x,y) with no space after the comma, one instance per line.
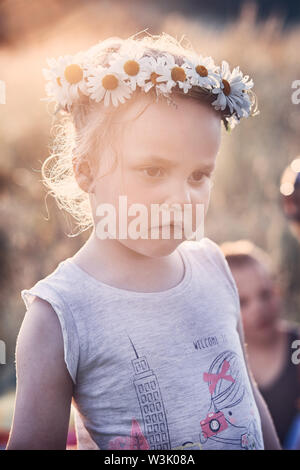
(180,195)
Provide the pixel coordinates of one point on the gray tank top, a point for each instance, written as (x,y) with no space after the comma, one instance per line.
(162,370)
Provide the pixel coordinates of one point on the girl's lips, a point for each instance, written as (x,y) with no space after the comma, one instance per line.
(171,224)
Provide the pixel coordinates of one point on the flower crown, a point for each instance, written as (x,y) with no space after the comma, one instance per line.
(131,66)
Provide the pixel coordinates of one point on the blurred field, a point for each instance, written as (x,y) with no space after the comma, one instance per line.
(245,201)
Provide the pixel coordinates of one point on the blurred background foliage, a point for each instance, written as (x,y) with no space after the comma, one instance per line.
(245,202)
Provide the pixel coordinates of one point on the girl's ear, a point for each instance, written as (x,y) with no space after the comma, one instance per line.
(83,174)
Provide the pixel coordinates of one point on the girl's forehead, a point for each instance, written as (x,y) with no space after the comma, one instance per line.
(160,127)
(180,109)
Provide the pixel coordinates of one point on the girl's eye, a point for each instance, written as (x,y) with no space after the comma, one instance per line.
(153,171)
(197,176)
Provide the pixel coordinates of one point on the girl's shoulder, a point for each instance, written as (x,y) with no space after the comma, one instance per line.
(62,283)
(60,289)
(207,255)
(206,249)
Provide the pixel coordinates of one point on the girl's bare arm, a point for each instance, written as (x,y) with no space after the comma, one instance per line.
(44,386)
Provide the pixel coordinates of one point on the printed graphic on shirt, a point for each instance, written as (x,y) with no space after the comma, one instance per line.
(227,391)
(136,440)
(152,409)
(209,341)
(151,403)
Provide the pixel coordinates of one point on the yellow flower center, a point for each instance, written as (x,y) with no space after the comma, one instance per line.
(153,77)
(58,81)
(131,67)
(201,70)
(110,82)
(226,89)
(73,74)
(178,74)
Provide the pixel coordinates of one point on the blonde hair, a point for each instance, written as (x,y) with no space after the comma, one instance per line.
(87,126)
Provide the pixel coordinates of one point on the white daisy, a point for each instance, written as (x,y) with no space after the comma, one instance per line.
(201,71)
(66,76)
(232,91)
(108,84)
(57,93)
(131,69)
(173,74)
(154,69)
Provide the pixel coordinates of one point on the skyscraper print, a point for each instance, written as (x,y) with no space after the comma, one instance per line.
(151,403)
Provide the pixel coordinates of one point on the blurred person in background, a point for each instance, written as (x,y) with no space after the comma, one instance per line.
(290,196)
(269,337)
(289,251)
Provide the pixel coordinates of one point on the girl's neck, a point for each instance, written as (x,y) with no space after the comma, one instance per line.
(115,264)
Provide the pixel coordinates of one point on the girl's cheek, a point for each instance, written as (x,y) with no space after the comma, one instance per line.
(204,190)
(203,197)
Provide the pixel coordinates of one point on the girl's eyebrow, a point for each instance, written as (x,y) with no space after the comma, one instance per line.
(155,159)
(150,159)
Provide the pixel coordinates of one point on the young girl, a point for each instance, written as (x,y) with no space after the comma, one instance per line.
(142,333)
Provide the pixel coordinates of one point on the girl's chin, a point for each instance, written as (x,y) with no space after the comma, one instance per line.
(154,248)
